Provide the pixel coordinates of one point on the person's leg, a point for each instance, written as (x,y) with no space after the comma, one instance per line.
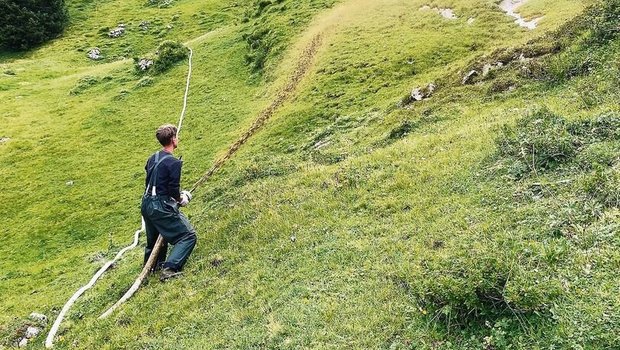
(184,244)
(151,238)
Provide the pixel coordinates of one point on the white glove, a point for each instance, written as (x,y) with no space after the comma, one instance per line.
(186,197)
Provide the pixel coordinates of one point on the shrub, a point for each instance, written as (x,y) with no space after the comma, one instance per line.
(259,43)
(604,20)
(169,53)
(28,23)
(502,85)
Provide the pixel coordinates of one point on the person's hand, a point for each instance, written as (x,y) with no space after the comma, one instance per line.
(186,197)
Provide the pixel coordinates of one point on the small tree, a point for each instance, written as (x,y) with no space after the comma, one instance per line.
(27,23)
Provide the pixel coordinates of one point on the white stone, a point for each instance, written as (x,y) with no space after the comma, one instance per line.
(38,317)
(431,88)
(447,14)
(417,94)
(145,63)
(94,53)
(22,343)
(116,32)
(32,332)
(468,78)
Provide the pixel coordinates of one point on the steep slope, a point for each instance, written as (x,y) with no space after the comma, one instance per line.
(331,226)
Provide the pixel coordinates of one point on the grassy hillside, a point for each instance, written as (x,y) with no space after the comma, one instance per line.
(483,217)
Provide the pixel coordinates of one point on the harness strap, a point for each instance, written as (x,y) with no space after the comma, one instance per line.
(152,174)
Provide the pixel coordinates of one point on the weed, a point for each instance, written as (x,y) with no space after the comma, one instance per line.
(538,142)
(145,81)
(604,187)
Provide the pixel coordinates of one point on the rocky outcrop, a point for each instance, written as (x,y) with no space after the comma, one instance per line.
(94,54)
(117,32)
(469,77)
(144,64)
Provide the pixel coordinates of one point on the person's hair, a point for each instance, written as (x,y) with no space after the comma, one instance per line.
(165,134)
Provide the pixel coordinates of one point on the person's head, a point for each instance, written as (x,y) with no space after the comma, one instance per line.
(167,135)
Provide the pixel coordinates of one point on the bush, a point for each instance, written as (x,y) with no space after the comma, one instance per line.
(260,42)
(604,20)
(28,23)
(169,53)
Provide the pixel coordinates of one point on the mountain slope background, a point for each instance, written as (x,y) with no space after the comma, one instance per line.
(485,216)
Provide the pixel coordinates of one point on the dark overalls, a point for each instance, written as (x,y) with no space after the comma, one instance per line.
(162,217)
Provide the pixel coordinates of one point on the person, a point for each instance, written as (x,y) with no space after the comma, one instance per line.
(160,207)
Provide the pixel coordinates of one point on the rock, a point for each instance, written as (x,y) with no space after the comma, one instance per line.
(447,14)
(471,21)
(69,183)
(144,25)
(32,332)
(94,54)
(293,239)
(145,63)
(469,77)
(22,343)
(486,69)
(118,31)
(489,67)
(320,144)
(4,139)
(430,89)
(38,317)
(417,94)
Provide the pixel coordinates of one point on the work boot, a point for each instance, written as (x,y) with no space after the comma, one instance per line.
(168,273)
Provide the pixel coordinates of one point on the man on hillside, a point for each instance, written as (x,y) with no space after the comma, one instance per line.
(160,207)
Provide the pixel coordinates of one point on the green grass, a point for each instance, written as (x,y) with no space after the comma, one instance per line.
(390,208)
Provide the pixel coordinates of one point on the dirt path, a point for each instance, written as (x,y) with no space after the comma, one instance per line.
(303,65)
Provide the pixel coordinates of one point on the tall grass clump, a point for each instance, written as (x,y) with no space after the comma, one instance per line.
(537,142)
(543,140)
(483,283)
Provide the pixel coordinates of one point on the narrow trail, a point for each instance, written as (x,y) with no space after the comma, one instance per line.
(303,66)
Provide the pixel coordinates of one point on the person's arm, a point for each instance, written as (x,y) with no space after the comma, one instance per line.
(175,180)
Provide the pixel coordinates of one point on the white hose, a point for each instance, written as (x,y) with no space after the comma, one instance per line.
(49,341)
(189,76)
